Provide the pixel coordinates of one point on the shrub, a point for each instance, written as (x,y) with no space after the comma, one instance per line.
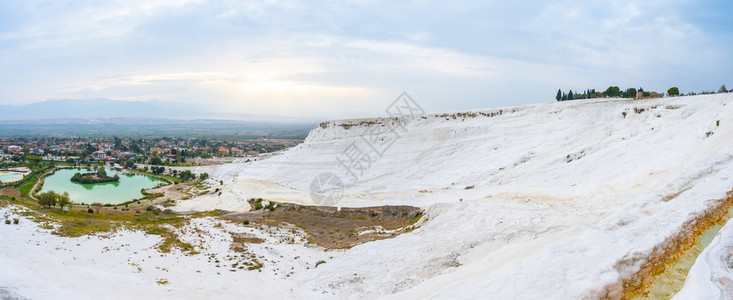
(613,91)
(320,262)
(245,222)
(90,210)
(48,199)
(97,206)
(63,200)
(153,209)
(16,221)
(630,93)
(7,221)
(673,91)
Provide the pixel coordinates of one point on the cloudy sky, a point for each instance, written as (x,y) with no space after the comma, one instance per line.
(343,59)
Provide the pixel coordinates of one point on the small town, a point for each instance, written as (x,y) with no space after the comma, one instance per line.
(155,151)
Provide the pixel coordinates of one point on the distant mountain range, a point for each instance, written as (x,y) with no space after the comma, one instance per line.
(112,117)
(67,111)
(102,108)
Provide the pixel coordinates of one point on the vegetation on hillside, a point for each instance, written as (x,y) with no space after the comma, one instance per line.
(616,92)
(51,198)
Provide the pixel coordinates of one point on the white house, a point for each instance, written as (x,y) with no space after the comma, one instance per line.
(99,155)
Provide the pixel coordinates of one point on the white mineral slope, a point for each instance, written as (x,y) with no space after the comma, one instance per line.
(567,199)
(521,153)
(711,277)
(35,264)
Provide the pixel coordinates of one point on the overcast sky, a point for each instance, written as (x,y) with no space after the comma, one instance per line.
(345,59)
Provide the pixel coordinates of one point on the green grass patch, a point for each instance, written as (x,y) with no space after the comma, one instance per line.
(157,230)
(416,218)
(171,240)
(26,184)
(78,223)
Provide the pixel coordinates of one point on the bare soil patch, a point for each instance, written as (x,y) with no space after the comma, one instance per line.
(336,229)
(11,192)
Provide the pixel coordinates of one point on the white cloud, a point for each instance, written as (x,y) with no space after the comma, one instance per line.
(56,23)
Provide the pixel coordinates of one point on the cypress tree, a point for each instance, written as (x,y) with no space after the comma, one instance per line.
(631,93)
(570,95)
(559,95)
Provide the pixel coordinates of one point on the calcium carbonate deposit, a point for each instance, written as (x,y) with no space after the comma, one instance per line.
(550,201)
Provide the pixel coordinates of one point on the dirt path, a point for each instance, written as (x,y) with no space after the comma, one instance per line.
(38,183)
